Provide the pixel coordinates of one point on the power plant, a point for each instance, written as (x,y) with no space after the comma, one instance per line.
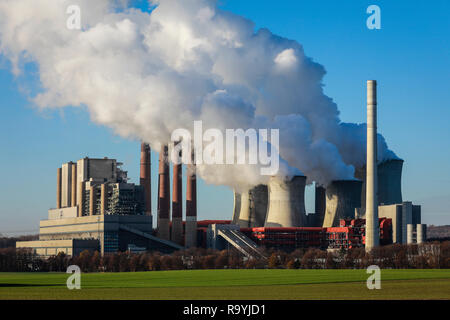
(98,209)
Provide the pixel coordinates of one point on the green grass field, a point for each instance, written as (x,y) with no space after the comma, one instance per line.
(230,284)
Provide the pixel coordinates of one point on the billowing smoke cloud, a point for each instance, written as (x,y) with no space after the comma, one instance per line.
(147,74)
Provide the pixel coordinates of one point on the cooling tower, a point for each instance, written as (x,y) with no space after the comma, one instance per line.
(360,174)
(286,202)
(253,207)
(390,182)
(237,207)
(320,202)
(389,175)
(342,197)
(163,195)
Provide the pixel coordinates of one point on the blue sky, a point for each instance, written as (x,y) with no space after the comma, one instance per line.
(409,56)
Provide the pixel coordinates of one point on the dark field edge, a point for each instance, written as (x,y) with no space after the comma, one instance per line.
(273,309)
(63,285)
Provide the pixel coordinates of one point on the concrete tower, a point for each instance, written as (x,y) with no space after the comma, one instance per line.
(177,205)
(253,207)
(372,228)
(191,207)
(320,202)
(286,202)
(421,233)
(163,195)
(342,197)
(390,182)
(145,177)
(237,207)
(389,175)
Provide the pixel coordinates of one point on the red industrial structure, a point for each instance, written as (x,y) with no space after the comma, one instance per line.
(192,233)
(349,234)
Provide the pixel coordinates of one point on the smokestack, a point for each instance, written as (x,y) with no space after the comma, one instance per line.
(286,202)
(372,227)
(92,200)
(145,177)
(58,188)
(177,205)
(163,195)
(73,197)
(320,201)
(237,207)
(191,207)
(342,197)
(254,207)
(81,198)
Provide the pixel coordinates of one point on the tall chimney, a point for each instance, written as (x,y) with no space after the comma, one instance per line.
(372,232)
(191,207)
(73,197)
(145,177)
(177,205)
(58,188)
(163,195)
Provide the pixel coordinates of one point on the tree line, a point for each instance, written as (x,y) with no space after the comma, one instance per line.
(428,255)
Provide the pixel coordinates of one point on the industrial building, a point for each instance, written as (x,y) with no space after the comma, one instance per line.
(366,211)
(98,209)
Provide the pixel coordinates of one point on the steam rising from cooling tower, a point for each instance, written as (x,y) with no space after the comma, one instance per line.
(146,74)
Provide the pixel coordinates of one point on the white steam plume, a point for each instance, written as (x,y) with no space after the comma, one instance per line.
(147,74)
